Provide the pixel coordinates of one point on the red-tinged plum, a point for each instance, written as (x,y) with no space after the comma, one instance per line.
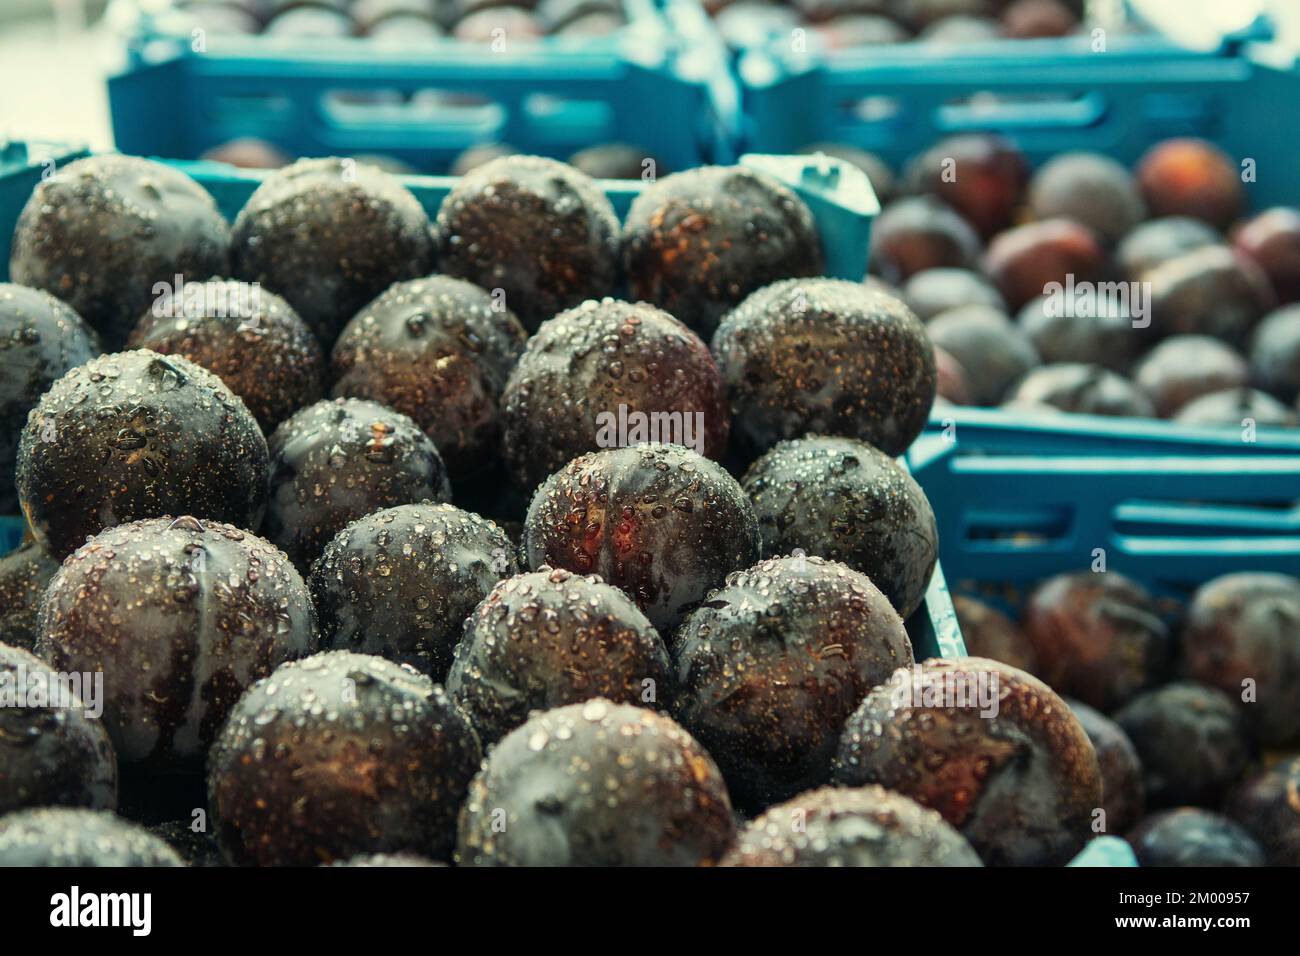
(697,243)
(1098,637)
(1190,177)
(1242,635)
(438,350)
(658,521)
(981,176)
(995,751)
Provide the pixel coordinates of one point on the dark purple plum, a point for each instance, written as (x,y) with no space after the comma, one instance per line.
(41,339)
(550,638)
(826,356)
(1190,836)
(1191,740)
(1272,240)
(919,233)
(1156,241)
(538,230)
(78,837)
(1028,261)
(845,500)
(989,633)
(602,365)
(1185,367)
(697,243)
(400,582)
(658,521)
(138,435)
(1103,335)
(1123,792)
(772,664)
(981,176)
(105,231)
(339,460)
(53,749)
(1275,353)
(1268,805)
(1236,406)
(180,615)
(1082,389)
(596,784)
(1088,188)
(329,235)
(991,349)
(850,826)
(375,753)
(24,574)
(935,291)
(249,338)
(1213,291)
(438,350)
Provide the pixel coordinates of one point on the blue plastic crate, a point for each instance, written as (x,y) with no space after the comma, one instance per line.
(660,83)
(1049,96)
(1019,500)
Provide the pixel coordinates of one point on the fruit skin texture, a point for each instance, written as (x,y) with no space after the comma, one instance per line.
(180,615)
(438,351)
(1097,637)
(288,237)
(72,837)
(774,662)
(1123,792)
(989,633)
(865,826)
(55,754)
(1272,239)
(339,460)
(667,805)
(1213,291)
(137,223)
(1247,627)
(24,575)
(826,356)
(1091,189)
(378,752)
(842,499)
(1191,741)
(1021,786)
(1190,177)
(1233,406)
(41,338)
(992,350)
(550,638)
(697,243)
(259,347)
(400,582)
(1083,389)
(1275,353)
(917,234)
(538,229)
(983,177)
(1024,260)
(658,521)
(1268,805)
(138,435)
(1190,836)
(590,360)
(1185,367)
(1159,240)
